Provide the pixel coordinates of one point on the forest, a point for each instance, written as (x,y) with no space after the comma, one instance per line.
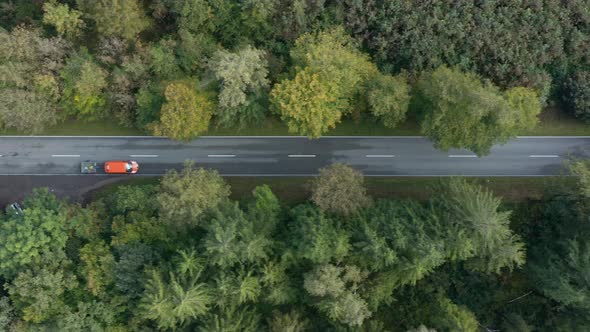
(470,73)
(180,255)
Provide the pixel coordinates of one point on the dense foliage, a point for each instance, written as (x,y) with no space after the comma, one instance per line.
(181,255)
(309,63)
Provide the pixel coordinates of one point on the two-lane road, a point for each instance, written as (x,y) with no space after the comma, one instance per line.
(289,156)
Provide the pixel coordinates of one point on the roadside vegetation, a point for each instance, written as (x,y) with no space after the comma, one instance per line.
(467,75)
(180,253)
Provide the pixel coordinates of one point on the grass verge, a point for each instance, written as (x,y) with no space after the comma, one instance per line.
(554,122)
(293,190)
(84,128)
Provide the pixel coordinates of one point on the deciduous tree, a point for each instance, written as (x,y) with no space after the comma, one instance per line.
(460,111)
(185,114)
(67,22)
(331,72)
(336,288)
(25,237)
(184,196)
(124,18)
(288,322)
(98,266)
(577,94)
(389,99)
(84,82)
(243,75)
(309,104)
(340,189)
(28,81)
(38,292)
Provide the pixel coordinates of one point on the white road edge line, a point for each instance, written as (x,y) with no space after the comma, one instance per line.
(543,156)
(143,155)
(302,156)
(65,155)
(462,156)
(379,156)
(221,155)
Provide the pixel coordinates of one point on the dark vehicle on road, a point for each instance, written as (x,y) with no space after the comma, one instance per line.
(88,167)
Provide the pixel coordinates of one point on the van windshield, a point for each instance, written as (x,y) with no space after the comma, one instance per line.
(128,167)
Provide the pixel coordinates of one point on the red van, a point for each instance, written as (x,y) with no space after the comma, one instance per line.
(121,167)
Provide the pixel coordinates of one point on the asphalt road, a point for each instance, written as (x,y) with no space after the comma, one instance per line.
(289,156)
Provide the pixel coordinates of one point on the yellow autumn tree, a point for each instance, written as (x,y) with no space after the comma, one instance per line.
(330,73)
(185,114)
(308,104)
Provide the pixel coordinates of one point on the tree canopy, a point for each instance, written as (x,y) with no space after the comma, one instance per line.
(460,111)
(180,254)
(185,114)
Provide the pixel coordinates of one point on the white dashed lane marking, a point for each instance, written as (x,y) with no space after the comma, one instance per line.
(302,156)
(221,155)
(462,156)
(65,155)
(543,156)
(144,155)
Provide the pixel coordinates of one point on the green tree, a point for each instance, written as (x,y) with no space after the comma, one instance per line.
(561,274)
(98,264)
(389,99)
(560,253)
(452,317)
(340,189)
(309,104)
(28,82)
(288,322)
(335,55)
(577,94)
(477,211)
(90,316)
(278,286)
(84,82)
(25,237)
(336,289)
(317,237)
(129,269)
(6,313)
(123,18)
(231,319)
(38,292)
(177,300)
(26,111)
(581,169)
(196,23)
(431,307)
(185,196)
(331,72)
(67,22)
(525,105)
(163,62)
(232,238)
(499,39)
(263,211)
(185,114)
(459,111)
(243,76)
